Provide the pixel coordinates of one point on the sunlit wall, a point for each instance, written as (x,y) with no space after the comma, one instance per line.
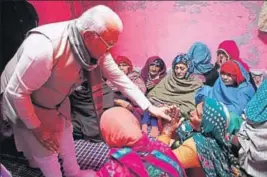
(166,28)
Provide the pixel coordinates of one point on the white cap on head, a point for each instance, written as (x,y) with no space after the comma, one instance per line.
(99,18)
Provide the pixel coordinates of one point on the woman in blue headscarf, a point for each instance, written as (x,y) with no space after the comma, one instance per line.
(233,88)
(201,57)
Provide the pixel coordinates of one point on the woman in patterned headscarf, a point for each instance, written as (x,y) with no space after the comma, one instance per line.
(177,88)
(206,146)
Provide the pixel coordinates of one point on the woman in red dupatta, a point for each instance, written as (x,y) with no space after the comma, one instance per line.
(228,50)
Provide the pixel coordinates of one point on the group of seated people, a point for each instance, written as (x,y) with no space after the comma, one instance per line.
(219,117)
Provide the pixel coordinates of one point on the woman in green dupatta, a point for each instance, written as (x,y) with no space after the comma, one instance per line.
(178,87)
(213,150)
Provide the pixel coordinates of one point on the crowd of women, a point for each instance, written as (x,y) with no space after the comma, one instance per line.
(219,117)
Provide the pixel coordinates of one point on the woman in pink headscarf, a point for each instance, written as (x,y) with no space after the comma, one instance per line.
(132,152)
(228,50)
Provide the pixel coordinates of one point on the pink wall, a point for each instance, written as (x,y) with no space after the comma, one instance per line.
(166,28)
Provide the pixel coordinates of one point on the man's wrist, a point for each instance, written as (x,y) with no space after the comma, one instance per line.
(148,107)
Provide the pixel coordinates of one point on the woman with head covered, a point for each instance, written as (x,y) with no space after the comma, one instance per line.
(228,50)
(153,71)
(251,138)
(232,88)
(201,57)
(177,88)
(206,146)
(132,152)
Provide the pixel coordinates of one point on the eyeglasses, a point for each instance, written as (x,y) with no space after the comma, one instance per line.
(109,46)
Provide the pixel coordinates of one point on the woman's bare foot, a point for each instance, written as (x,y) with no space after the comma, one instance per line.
(144,128)
(154,131)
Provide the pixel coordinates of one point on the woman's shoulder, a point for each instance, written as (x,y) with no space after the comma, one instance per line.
(197,80)
(246,88)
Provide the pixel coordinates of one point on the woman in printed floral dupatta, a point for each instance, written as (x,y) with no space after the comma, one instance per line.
(177,88)
(206,146)
(126,65)
(132,152)
(153,71)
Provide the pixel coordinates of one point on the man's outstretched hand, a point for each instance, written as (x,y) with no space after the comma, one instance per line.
(159,112)
(176,120)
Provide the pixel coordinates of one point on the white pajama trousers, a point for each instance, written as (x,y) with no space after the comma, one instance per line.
(45,159)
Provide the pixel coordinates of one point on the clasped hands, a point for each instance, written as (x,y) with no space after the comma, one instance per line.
(170,126)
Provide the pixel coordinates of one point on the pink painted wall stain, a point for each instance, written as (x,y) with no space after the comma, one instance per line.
(166,28)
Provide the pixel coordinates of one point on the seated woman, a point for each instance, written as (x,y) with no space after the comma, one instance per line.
(153,71)
(252,136)
(201,57)
(206,147)
(228,50)
(132,152)
(232,88)
(177,88)
(126,66)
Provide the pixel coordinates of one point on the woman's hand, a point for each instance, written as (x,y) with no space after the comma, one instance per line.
(169,127)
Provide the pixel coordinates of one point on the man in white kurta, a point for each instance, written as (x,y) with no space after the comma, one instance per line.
(36,83)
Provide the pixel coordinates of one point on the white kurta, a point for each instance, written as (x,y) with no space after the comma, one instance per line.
(36,59)
(30,74)
(46,73)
